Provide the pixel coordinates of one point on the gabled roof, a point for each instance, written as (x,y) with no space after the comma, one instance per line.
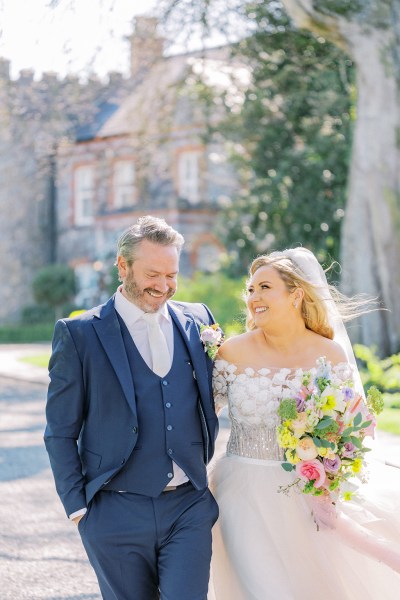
(154,96)
(90,130)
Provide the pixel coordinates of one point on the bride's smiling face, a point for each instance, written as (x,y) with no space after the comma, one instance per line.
(268,298)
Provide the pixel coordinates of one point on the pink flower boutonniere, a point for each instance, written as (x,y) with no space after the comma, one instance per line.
(212,337)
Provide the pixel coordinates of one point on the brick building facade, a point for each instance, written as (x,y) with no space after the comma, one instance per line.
(79,162)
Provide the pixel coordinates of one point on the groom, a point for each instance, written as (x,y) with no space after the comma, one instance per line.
(131,427)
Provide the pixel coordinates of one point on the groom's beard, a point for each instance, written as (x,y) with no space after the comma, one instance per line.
(142,298)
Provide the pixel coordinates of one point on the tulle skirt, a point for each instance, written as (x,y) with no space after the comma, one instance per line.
(266,545)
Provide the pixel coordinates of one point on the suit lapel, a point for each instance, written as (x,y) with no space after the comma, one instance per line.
(190,333)
(109,333)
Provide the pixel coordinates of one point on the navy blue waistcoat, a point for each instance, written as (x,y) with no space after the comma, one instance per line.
(168,421)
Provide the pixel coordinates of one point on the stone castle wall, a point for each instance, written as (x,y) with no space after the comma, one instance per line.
(34,117)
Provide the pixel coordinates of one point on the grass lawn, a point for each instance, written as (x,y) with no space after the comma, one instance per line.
(389,419)
(38,360)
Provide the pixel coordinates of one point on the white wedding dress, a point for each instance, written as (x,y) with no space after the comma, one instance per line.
(266,545)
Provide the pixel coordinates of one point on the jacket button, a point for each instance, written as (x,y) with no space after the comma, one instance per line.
(168,405)
(135,430)
(169,450)
(170,475)
(165,382)
(169,427)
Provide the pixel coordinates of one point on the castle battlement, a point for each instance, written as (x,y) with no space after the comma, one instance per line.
(53,127)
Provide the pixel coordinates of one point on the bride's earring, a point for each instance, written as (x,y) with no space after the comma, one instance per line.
(295,304)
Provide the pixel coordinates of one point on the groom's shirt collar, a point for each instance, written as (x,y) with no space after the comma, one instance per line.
(130,313)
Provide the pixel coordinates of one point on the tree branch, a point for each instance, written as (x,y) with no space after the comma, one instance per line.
(306,16)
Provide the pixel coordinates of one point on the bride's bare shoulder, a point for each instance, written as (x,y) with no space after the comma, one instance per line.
(333,351)
(233,349)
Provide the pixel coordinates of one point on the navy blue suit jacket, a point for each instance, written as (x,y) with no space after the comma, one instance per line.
(91,411)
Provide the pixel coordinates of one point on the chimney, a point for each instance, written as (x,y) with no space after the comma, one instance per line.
(4,68)
(146,46)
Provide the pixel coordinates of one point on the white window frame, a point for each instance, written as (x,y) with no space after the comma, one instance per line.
(124,183)
(189,176)
(84,186)
(87,280)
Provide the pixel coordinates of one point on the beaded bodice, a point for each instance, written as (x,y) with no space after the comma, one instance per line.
(253,399)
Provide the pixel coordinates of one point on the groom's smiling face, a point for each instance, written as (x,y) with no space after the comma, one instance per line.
(152,277)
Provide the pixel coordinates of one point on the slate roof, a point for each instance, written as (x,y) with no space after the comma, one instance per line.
(90,130)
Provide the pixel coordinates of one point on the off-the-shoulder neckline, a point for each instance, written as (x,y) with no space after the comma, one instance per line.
(243,368)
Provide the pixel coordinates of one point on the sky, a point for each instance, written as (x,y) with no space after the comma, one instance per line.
(76,36)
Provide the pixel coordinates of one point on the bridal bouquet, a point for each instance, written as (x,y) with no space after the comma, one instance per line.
(322,433)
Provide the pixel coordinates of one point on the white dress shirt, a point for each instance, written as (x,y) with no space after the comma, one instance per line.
(137,327)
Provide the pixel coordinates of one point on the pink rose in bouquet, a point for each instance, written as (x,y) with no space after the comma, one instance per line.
(312,470)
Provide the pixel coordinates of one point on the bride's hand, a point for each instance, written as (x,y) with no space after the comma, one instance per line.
(323,511)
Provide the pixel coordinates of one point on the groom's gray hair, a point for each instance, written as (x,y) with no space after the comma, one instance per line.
(149,228)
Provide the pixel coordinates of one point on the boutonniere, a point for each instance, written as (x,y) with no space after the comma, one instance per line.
(212,337)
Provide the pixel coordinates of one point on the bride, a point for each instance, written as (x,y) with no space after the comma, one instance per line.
(275,546)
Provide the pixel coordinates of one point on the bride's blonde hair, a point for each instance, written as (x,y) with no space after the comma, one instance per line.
(314,307)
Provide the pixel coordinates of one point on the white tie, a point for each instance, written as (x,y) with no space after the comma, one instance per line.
(160,355)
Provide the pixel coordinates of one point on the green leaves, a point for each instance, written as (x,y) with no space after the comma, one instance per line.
(321,443)
(287,409)
(356,441)
(291,142)
(54,285)
(358,425)
(324,423)
(288,466)
(309,487)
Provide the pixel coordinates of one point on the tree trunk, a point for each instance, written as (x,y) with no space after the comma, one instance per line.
(371,228)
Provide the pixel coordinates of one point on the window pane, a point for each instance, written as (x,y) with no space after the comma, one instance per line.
(124,192)
(84,195)
(188,176)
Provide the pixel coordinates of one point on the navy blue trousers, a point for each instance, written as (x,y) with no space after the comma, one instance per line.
(144,548)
